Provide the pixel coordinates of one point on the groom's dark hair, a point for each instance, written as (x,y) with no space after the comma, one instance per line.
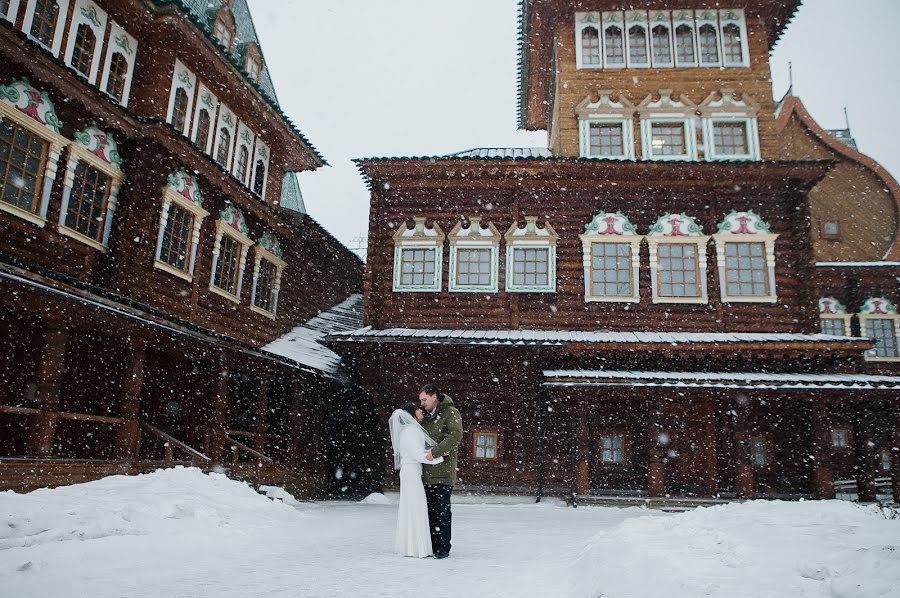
(432,389)
(411,408)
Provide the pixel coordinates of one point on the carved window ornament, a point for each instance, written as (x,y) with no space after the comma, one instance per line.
(88,25)
(119,64)
(180,220)
(243,151)
(204,129)
(678,260)
(606,127)
(260,172)
(668,130)
(662,53)
(9,10)
(45,21)
(730,130)
(879,320)
(833,317)
(613,37)
(26,111)
(531,257)
(745,251)
(223,28)
(92,158)
(611,249)
(181,105)
(253,62)
(735,52)
(587,40)
(229,254)
(637,39)
(418,257)
(474,257)
(685,38)
(708,38)
(225,137)
(267,270)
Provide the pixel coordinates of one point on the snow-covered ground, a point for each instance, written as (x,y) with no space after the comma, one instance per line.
(182,534)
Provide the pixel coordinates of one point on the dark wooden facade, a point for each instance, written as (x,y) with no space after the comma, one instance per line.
(115,365)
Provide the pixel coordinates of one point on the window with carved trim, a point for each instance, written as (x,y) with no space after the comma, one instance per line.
(730,138)
(259,178)
(637,46)
(883,332)
(176,244)
(746,270)
(43,25)
(611,270)
(223,33)
(709,44)
(242,163)
(417,266)
(224,146)
(615,46)
(83,52)
(684,45)
(662,46)
(228,265)
(590,46)
(22,159)
(832,326)
(607,139)
(203,124)
(731,44)
(678,270)
(87,203)
(179,113)
(264,297)
(118,75)
(668,139)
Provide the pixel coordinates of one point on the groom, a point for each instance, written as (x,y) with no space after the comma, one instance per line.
(444,424)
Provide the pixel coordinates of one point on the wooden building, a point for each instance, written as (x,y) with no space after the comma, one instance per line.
(154,245)
(648,307)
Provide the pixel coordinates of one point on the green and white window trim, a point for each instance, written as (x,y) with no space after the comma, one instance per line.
(660,119)
(879,320)
(418,258)
(723,109)
(678,263)
(531,257)
(745,250)
(611,250)
(182,191)
(833,317)
(615,117)
(474,257)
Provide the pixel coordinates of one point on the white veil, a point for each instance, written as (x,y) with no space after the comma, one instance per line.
(399,422)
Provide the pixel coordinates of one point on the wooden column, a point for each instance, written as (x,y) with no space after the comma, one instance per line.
(582,450)
(864,454)
(260,410)
(743,470)
(128,435)
(824,478)
(895,461)
(712,479)
(295,426)
(219,411)
(49,381)
(656,471)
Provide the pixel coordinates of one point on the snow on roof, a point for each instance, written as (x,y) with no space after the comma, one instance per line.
(504,152)
(857,264)
(558,337)
(719,379)
(302,343)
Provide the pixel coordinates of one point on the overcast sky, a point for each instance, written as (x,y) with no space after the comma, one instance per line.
(422,77)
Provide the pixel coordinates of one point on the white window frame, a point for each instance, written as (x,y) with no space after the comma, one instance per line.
(745,227)
(637,18)
(182,78)
(226,120)
(225,227)
(679,18)
(47,129)
(188,197)
(880,308)
(97,149)
(723,107)
(531,237)
(58,32)
(613,18)
(419,237)
(708,17)
(609,227)
(474,237)
(832,309)
(11,12)
(120,42)
(662,18)
(734,16)
(84,13)
(246,138)
(206,100)
(668,110)
(688,233)
(269,249)
(584,20)
(260,152)
(606,111)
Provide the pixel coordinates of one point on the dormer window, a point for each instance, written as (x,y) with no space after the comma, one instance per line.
(223,30)
(418,257)
(474,257)
(605,127)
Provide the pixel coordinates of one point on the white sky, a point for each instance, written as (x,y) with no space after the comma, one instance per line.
(421,77)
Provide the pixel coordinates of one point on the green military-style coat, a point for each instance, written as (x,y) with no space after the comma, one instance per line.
(446,430)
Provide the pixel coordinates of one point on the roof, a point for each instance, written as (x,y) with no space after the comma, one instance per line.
(302,345)
(792,105)
(858,264)
(537,27)
(844,136)
(756,380)
(202,13)
(560,337)
(291,197)
(504,152)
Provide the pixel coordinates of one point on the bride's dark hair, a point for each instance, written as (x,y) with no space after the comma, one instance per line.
(411,408)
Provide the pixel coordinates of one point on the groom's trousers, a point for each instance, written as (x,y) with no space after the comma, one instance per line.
(439,516)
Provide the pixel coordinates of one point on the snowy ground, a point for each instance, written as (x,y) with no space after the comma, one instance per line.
(183,534)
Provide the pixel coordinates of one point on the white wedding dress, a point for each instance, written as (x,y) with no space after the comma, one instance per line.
(410,445)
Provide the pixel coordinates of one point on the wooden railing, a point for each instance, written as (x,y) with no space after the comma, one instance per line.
(237,447)
(86,417)
(170,443)
(847,490)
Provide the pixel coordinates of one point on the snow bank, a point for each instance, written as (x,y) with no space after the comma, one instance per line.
(377,498)
(827,549)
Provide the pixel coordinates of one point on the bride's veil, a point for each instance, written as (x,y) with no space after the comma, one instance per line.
(399,422)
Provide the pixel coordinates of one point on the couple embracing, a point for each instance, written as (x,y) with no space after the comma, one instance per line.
(425,438)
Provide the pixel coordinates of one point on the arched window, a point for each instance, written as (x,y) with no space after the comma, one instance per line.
(203,124)
(684,45)
(179,113)
(242,163)
(662,47)
(22,158)
(87,203)
(83,53)
(615,46)
(4,8)
(260,178)
(118,75)
(731,44)
(637,46)
(223,32)
(43,26)
(253,68)
(709,46)
(224,146)
(590,46)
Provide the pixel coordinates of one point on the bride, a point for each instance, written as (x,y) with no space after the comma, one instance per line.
(411,442)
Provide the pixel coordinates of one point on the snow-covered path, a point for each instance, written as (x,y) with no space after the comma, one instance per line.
(183,534)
